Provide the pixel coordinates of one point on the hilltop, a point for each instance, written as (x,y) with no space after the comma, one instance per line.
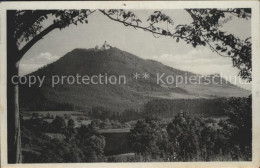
(133,94)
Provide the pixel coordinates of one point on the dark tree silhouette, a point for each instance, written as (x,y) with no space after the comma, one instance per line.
(58,124)
(239,124)
(25,28)
(204,30)
(71,123)
(148,137)
(91,143)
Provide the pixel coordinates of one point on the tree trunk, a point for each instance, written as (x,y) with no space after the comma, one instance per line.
(13,117)
(13,114)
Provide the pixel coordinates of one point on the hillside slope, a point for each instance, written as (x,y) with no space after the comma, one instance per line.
(118,97)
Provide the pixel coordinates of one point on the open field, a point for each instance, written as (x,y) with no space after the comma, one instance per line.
(119,130)
(79,117)
(59,113)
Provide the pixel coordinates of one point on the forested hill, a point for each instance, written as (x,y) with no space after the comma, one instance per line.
(118,97)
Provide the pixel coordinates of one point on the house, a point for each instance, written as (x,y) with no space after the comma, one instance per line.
(105,46)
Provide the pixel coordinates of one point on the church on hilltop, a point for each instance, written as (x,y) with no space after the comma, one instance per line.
(105,46)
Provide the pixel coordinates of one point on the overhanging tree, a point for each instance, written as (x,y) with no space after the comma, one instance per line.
(26,27)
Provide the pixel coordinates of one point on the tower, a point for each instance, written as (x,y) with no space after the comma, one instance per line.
(105,46)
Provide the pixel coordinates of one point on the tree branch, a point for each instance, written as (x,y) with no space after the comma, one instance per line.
(36,39)
(135,26)
(28,19)
(213,47)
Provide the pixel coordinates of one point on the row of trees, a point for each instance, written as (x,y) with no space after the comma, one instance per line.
(83,144)
(25,28)
(58,125)
(190,139)
(165,108)
(185,138)
(103,113)
(108,124)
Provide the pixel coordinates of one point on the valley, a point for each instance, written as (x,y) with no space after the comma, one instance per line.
(108,116)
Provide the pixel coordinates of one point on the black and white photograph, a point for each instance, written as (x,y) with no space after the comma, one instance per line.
(126,84)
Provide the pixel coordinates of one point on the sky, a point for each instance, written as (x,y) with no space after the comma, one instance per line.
(200,60)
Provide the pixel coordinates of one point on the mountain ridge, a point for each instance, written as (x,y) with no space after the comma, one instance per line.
(119,97)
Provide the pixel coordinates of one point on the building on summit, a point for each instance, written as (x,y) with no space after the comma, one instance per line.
(105,46)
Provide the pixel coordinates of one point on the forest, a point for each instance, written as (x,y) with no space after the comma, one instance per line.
(185,137)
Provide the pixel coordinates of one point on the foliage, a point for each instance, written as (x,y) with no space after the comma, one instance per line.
(91,143)
(36,124)
(185,138)
(71,123)
(203,30)
(195,139)
(84,144)
(27,26)
(58,124)
(148,137)
(192,139)
(107,124)
(32,98)
(239,124)
(58,151)
(101,113)
(193,107)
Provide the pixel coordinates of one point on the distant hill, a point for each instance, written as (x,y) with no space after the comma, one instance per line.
(118,97)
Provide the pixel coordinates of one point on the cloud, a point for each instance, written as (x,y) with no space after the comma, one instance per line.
(201,61)
(28,65)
